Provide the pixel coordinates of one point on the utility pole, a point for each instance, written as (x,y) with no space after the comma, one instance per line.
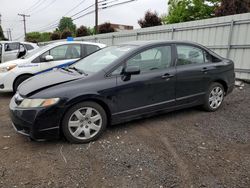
(96,16)
(24,22)
(9,34)
(0,19)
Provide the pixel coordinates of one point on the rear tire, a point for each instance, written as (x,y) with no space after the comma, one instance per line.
(214,97)
(84,122)
(20,80)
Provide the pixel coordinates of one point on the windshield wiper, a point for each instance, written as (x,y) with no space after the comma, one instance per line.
(66,69)
(78,70)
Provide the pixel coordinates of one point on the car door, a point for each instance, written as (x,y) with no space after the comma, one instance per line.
(151,90)
(191,79)
(63,55)
(10,51)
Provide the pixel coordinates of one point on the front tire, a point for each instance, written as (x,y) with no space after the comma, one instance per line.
(214,97)
(84,122)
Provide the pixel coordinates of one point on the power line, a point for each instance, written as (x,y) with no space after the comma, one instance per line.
(105,5)
(37,2)
(37,6)
(125,2)
(53,23)
(48,5)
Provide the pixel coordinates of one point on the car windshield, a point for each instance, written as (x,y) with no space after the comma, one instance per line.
(102,58)
(30,54)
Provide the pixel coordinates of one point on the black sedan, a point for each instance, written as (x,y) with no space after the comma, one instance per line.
(118,84)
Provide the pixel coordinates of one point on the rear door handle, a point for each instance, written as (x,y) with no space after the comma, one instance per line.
(167,76)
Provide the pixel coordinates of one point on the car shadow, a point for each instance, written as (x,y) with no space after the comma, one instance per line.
(6,95)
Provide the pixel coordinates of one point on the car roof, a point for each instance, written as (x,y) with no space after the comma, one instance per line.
(155,42)
(76,42)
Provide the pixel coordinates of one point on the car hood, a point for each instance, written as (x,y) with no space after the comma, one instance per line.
(46,80)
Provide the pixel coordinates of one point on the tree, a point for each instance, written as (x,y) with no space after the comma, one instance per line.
(66,33)
(33,37)
(106,28)
(82,31)
(2,37)
(91,31)
(150,19)
(67,23)
(37,37)
(189,10)
(46,36)
(233,7)
(56,35)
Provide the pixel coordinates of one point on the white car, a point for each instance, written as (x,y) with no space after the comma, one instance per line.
(55,55)
(10,50)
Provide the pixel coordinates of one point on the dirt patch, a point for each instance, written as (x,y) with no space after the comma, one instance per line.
(187,148)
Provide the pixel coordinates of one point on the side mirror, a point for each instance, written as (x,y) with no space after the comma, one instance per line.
(132,70)
(49,58)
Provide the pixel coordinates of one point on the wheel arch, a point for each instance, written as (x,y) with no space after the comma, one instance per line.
(19,76)
(223,83)
(95,99)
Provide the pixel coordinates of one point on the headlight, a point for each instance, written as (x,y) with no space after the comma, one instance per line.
(33,103)
(7,68)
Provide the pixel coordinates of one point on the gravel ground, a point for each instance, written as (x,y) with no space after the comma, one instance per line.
(187,148)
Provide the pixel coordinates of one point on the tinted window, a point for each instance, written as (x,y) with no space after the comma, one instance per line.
(28,47)
(152,59)
(91,49)
(64,52)
(189,55)
(11,46)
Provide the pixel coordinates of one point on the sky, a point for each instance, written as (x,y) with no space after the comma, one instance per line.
(46,13)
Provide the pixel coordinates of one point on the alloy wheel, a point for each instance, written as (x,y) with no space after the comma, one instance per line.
(85,123)
(216,97)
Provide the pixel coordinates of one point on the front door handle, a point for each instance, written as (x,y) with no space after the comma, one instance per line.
(167,76)
(204,70)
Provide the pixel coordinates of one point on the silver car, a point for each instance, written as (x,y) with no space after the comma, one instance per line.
(10,50)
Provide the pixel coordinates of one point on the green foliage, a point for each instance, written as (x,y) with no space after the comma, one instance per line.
(189,10)
(66,33)
(37,37)
(56,35)
(66,23)
(33,37)
(45,36)
(82,31)
(150,19)
(91,31)
(2,37)
(233,7)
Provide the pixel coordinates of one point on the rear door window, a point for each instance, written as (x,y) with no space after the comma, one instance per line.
(28,47)
(189,55)
(91,49)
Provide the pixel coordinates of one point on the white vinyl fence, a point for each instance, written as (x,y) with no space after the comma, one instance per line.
(228,36)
